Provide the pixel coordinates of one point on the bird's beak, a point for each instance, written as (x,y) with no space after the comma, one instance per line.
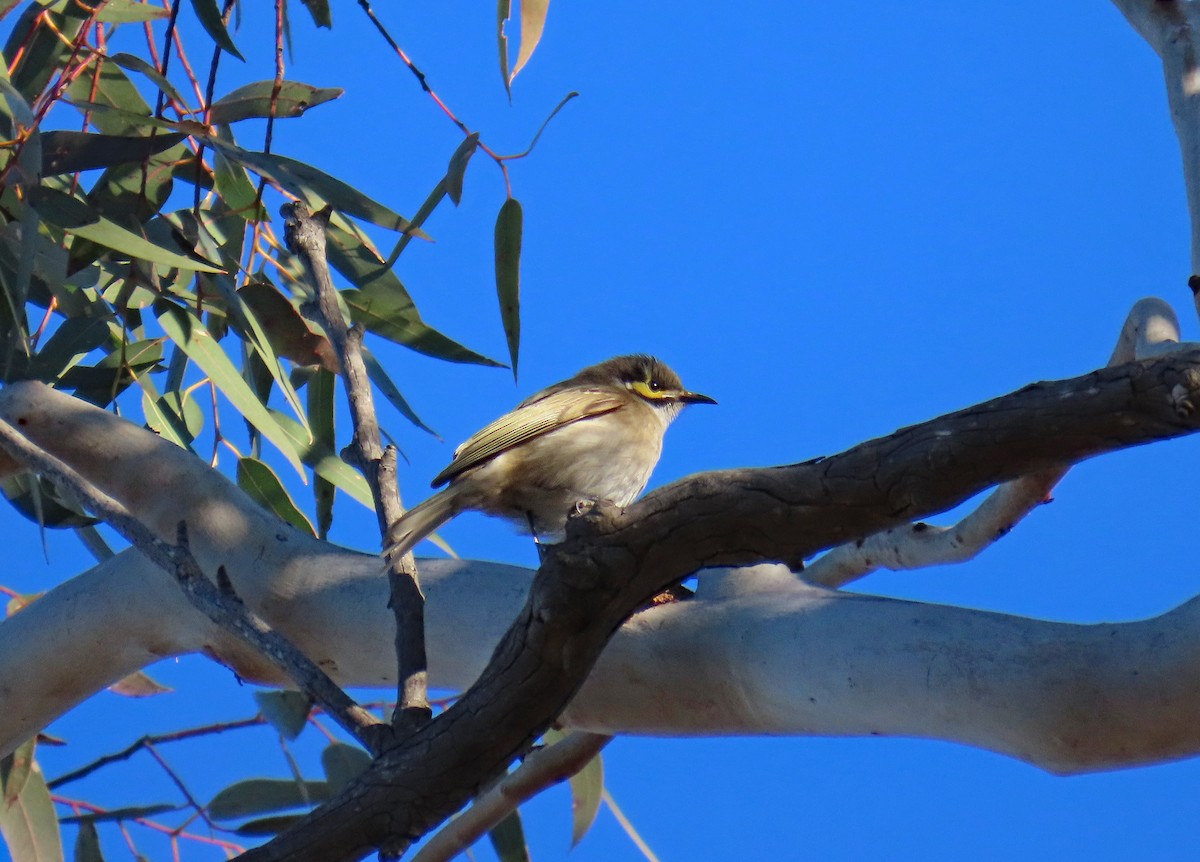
(695,398)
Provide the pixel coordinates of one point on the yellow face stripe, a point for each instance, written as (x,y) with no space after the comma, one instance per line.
(642,388)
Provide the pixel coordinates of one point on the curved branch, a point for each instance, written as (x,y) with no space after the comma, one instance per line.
(613,562)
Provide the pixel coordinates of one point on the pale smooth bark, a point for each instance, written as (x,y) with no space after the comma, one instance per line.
(756,652)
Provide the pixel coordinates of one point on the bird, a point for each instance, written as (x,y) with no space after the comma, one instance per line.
(594,437)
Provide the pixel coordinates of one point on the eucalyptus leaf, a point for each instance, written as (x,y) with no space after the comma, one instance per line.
(509,226)
(254,796)
(260,99)
(193,338)
(262,485)
(508,839)
(209,15)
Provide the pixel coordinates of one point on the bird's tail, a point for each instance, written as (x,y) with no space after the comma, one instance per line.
(419,521)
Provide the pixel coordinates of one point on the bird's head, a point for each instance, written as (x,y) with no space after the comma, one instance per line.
(646,378)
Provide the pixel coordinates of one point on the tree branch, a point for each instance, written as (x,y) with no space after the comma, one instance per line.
(223,608)
(612,562)
(1151,329)
(305,235)
(542,769)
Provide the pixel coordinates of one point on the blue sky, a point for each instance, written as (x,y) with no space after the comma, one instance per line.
(835,220)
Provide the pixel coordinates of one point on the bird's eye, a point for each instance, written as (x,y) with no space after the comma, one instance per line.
(655,386)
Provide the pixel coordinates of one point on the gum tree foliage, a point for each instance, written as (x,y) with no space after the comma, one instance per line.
(143,271)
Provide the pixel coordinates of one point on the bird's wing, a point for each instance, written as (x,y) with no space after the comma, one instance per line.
(540,414)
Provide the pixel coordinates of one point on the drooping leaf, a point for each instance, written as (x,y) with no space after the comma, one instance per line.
(508,839)
(64,152)
(287,711)
(254,796)
(40,501)
(28,822)
(95,544)
(342,764)
(533,22)
(235,188)
(509,225)
(71,342)
(76,217)
(380,378)
(87,843)
(263,486)
(175,416)
(318,187)
(254,100)
(193,338)
(587,792)
(503,13)
(15,770)
(287,332)
(139,684)
(325,461)
(319,10)
(133,63)
(114,102)
(209,15)
(321,390)
(457,169)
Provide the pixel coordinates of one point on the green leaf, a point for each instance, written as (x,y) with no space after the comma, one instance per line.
(87,843)
(287,711)
(508,839)
(175,415)
(263,795)
(104,381)
(76,217)
(587,791)
(285,330)
(41,501)
(456,171)
(139,684)
(343,763)
(533,22)
(64,152)
(70,343)
(16,768)
(322,387)
(193,338)
(380,378)
(318,187)
(133,63)
(254,100)
(128,12)
(132,812)
(319,10)
(325,461)
(114,102)
(503,13)
(210,19)
(263,487)
(28,822)
(39,47)
(508,274)
(268,825)
(383,306)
